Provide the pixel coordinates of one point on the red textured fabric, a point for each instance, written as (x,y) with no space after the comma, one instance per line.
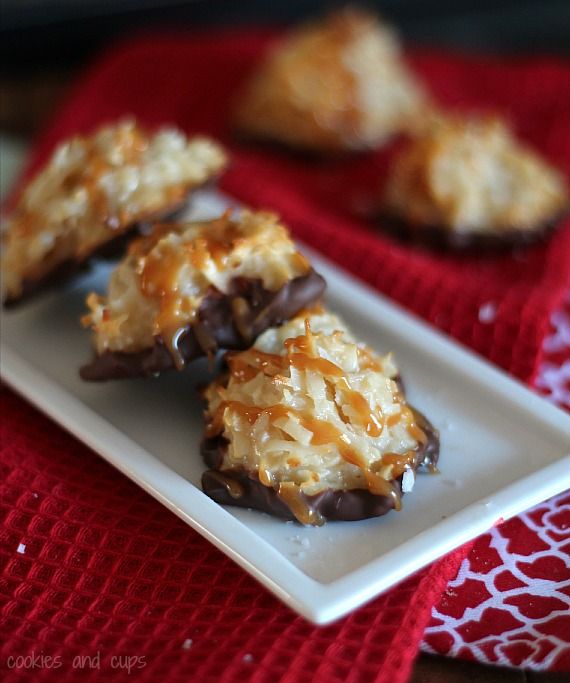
(518,574)
(95,576)
(107,569)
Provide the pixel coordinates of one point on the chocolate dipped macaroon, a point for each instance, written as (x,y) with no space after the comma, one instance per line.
(92,193)
(311,425)
(468,183)
(186,290)
(333,85)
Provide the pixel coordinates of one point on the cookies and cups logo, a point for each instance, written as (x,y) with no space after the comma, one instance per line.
(35,660)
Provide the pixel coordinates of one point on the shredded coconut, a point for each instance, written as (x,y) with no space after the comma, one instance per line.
(94,188)
(310,407)
(166,275)
(471,175)
(340,83)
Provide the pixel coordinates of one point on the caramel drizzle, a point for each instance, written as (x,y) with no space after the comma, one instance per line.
(368,361)
(323,432)
(233,487)
(371,421)
(300,353)
(131,142)
(160,271)
(295,500)
(158,280)
(246,365)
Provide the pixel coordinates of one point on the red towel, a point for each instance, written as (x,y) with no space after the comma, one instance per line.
(95,571)
(105,570)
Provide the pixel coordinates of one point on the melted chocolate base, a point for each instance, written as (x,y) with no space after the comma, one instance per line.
(322,156)
(438,237)
(243,489)
(220,323)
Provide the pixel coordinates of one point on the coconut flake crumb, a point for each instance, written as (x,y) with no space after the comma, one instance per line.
(21,549)
(305,542)
(487,313)
(408,481)
(187,644)
(453,483)
(248,658)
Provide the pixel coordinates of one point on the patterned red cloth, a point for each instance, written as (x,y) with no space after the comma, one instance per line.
(106,567)
(510,602)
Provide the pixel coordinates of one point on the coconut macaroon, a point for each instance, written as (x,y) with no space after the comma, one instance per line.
(332,85)
(311,425)
(92,191)
(469,182)
(187,289)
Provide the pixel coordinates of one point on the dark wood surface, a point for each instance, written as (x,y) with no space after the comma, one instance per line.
(28,99)
(431,669)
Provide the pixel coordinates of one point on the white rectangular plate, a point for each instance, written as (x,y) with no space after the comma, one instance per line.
(504,449)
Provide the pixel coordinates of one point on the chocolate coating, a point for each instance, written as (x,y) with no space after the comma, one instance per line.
(220,323)
(440,238)
(32,287)
(243,489)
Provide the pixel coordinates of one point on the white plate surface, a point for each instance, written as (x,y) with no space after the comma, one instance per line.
(504,449)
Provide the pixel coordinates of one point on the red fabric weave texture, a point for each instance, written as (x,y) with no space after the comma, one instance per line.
(91,566)
(510,602)
(105,568)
